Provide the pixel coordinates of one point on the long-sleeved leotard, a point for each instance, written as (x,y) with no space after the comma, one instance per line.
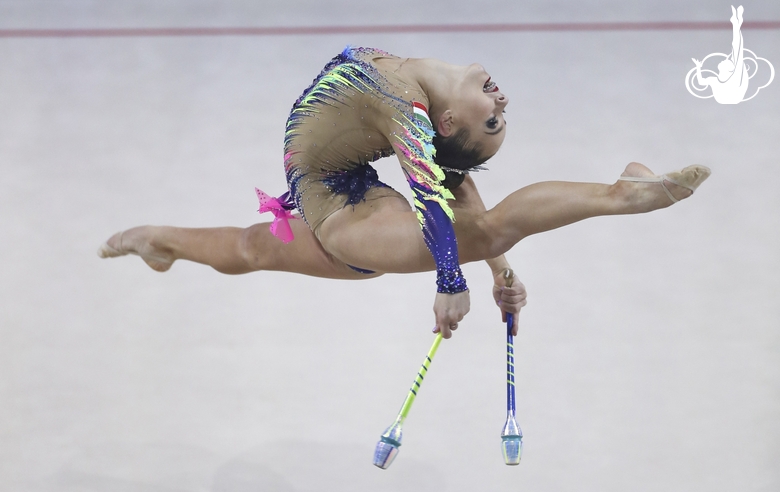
(355,112)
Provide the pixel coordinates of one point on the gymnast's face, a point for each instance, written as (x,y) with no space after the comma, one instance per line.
(479,106)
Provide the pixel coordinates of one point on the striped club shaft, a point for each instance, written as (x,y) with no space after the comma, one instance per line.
(419,379)
(510,366)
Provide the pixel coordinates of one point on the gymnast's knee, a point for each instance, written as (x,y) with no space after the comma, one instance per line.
(492,239)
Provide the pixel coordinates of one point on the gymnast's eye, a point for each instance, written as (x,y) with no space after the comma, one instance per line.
(492,123)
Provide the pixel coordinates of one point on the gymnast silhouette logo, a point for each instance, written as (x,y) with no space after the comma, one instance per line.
(730,84)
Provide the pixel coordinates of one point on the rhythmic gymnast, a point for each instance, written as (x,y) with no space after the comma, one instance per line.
(441,121)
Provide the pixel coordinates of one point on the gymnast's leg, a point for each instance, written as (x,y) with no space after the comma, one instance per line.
(230,250)
(384,235)
(546,206)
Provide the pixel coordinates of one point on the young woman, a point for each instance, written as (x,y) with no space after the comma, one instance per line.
(441,121)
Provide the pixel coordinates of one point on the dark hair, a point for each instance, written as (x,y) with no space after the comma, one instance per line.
(457,152)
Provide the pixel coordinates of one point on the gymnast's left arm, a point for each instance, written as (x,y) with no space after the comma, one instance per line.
(508,299)
(411,136)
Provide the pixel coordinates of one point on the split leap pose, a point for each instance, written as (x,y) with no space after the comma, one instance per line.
(441,121)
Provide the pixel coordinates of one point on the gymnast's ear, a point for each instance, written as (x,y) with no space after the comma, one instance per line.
(444,124)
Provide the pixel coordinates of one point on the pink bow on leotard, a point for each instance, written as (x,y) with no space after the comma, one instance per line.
(280,207)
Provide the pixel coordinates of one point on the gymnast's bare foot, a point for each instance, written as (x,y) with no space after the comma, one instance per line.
(644,191)
(138,241)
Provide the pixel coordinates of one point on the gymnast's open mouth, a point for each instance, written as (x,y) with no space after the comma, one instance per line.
(489,86)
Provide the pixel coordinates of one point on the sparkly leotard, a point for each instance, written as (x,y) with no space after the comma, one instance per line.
(329,143)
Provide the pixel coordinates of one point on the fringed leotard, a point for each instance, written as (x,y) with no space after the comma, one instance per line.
(332,135)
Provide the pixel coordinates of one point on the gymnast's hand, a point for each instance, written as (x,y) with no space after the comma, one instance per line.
(509,299)
(449,310)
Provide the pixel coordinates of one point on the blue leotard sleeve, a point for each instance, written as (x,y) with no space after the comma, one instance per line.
(413,143)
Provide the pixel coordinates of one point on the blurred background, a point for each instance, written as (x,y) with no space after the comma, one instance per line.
(649,353)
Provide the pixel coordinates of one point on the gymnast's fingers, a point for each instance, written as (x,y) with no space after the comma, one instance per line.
(446,324)
(449,309)
(513,301)
(444,329)
(516,290)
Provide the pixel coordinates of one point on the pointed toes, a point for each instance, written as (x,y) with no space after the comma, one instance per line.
(697,175)
(106,251)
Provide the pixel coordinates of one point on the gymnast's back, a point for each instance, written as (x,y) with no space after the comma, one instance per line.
(343,121)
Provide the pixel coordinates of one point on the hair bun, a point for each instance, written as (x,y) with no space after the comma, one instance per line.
(452,180)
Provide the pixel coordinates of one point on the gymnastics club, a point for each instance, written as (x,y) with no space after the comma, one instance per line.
(390,441)
(511,436)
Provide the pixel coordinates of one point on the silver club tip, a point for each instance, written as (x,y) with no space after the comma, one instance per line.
(384,454)
(387,447)
(512,448)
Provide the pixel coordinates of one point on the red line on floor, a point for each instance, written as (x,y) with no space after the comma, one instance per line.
(386,29)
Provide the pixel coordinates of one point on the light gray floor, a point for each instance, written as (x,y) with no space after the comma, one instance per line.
(649,355)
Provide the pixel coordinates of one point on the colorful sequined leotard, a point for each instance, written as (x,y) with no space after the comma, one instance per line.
(329,144)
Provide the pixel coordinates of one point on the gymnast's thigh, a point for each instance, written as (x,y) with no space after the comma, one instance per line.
(384,235)
(381,233)
(304,254)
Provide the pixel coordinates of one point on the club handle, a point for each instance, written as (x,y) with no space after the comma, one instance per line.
(419,379)
(509,278)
